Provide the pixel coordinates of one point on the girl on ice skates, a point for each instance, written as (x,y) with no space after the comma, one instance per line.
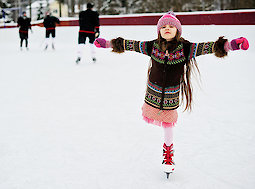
(172,59)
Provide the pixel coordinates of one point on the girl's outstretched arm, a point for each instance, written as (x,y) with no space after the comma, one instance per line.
(120,45)
(220,47)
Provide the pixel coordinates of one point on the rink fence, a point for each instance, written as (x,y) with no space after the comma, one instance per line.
(244,17)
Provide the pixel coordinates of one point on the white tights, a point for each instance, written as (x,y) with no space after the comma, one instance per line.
(92,50)
(47,41)
(168,133)
(81,49)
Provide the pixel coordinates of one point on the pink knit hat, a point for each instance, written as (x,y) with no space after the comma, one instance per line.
(169,19)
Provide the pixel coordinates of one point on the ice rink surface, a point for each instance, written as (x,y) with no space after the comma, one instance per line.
(68,126)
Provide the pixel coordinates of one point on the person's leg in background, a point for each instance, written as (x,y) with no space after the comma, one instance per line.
(92,47)
(81,44)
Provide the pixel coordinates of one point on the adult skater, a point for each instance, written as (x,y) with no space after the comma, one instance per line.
(89,27)
(24,25)
(172,58)
(50,25)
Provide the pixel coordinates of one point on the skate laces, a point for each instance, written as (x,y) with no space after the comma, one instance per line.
(168,154)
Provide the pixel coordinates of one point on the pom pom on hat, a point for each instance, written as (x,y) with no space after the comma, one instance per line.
(169,19)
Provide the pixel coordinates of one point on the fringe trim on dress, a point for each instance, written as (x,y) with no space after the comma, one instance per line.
(159,123)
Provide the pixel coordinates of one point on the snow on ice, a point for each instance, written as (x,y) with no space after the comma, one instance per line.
(68,126)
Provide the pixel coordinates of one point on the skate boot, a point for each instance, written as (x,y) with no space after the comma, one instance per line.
(78,60)
(46,47)
(168,162)
(94,59)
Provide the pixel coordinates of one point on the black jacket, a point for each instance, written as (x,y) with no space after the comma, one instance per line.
(50,21)
(89,20)
(24,23)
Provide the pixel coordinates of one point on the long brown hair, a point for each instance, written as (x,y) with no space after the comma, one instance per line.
(186,87)
(185,82)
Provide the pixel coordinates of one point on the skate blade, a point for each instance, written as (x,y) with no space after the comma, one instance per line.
(167,174)
(78,61)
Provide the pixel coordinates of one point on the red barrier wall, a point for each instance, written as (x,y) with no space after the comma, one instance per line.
(241,18)
(238,18)
(191,18)
(219,18)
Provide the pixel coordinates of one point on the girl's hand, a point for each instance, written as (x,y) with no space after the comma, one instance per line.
(102,43)
(236,44)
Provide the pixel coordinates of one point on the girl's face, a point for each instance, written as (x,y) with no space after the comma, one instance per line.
(168,32)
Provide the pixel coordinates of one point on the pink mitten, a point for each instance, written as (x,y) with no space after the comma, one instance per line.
(245,44)
(102,43)
(236,44)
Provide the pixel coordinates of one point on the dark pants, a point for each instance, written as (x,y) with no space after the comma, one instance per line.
(50,32)
(23,36)
(83,36)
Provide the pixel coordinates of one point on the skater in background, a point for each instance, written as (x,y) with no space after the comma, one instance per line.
(169,74)
(24,25)
(50,24)
(89,27)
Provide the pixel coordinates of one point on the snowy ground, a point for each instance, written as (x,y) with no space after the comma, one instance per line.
(68,126)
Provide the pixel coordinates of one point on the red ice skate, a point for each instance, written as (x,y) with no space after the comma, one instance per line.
(168,162)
